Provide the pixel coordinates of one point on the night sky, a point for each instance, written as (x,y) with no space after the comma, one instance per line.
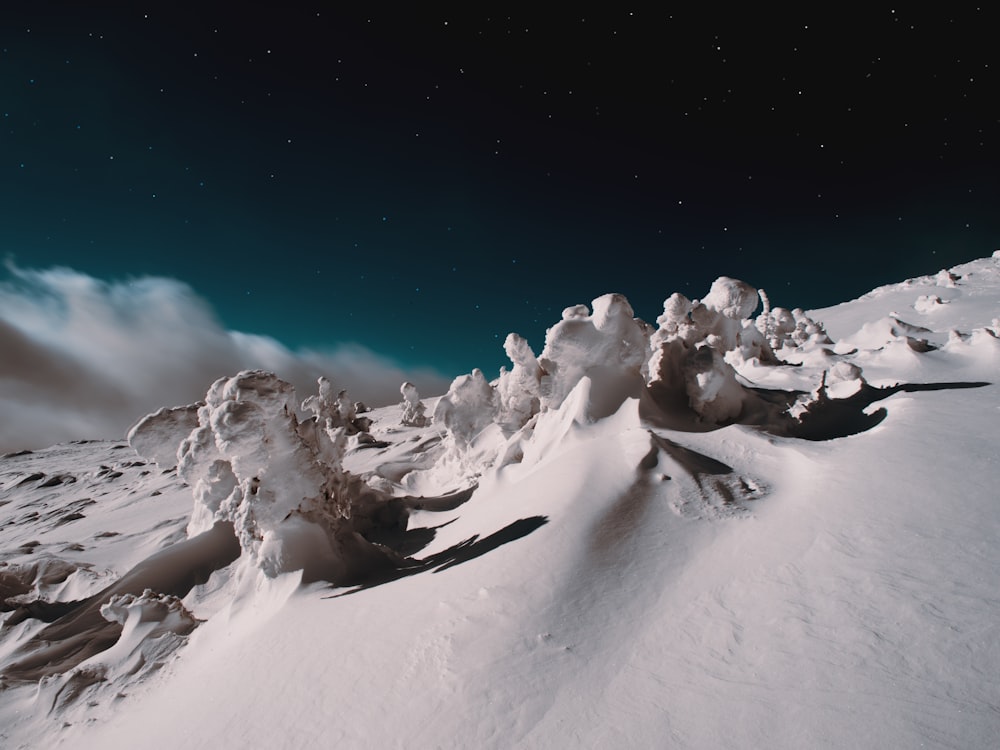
(423,182)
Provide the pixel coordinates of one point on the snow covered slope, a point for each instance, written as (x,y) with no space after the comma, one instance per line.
(779,532)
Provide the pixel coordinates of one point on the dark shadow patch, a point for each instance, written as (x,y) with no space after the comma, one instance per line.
(462,552)
(724,491)
(475,547)
(902,328)
(828,419)
(72,512)
(57,479)
(700,485)
(405,542)
(693,462)
(42,610)
(11,585)
(917,387)
(30,545)
(920,346)
(666,406)
(372,444)
(652,458)
(383,519)
(441,503)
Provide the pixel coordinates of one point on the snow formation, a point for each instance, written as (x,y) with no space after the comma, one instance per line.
(731,529)
(413,408)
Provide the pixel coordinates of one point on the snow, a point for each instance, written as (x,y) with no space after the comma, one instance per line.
(412,407)
(642,537)
(610,339)
(519,390)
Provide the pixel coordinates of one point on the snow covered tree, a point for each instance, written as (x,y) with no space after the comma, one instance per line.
(412,407)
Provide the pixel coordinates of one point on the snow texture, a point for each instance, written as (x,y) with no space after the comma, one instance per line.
(280,483)
(412,407)
(724,531)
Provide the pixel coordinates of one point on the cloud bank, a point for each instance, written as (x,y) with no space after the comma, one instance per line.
(83,358)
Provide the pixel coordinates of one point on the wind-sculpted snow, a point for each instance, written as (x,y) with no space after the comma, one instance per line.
(158,435)
(611,339)
(412,407)
(519,389)
(85,628)
(697,370)
(338,410)
(697,345)
(467,408)
(562,535)
(278,481)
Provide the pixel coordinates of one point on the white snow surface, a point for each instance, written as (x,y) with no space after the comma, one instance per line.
(719,532)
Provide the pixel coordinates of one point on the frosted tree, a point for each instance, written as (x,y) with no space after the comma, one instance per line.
(280,483)
(781,327)
(694,342)
(323,405)
(467,408)
(412,407)
(519,389)
(609,343)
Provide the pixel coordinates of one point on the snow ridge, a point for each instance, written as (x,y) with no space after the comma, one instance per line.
(637,519)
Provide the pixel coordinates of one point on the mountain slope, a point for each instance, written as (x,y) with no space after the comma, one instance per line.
(622,584)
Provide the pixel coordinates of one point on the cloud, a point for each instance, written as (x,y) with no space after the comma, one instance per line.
(83,358)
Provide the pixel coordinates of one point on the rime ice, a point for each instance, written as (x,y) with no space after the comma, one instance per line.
(620,449)
(412,407)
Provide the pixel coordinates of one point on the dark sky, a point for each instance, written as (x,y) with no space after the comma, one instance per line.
(423,182)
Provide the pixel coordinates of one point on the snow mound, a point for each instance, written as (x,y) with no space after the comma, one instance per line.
(888,332)
(610,340)
(157,435)
(928,303)
(30,589)
(721,502)
(153,625)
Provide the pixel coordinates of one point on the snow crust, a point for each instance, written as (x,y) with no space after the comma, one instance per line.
(724,530)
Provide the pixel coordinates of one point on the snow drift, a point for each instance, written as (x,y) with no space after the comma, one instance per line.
(714,531)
